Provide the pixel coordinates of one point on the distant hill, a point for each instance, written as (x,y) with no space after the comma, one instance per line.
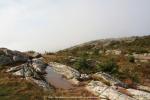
(137,44)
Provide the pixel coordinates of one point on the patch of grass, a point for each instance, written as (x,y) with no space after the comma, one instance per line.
(18,89)
(108,66)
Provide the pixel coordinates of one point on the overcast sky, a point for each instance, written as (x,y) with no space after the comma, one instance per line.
(50,25)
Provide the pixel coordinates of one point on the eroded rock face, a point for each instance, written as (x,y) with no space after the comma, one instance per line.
(8,56)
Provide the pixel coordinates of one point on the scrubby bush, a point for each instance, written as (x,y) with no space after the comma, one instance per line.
(81,64)
(109,67)
(136,49)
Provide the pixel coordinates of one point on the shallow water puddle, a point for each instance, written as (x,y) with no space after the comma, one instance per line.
(57,80)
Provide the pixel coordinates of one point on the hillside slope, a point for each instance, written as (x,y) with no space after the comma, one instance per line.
(128,55)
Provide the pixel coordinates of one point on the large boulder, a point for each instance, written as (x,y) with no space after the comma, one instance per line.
(4,60)
(19,58)
(8,56)
(39,65)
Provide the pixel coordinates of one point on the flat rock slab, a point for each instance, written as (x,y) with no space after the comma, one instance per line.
(106,92)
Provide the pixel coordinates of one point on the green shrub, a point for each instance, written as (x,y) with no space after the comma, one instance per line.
(138,50)
(109,67)
(81,64)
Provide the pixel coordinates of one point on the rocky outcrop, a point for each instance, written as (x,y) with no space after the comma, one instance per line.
(143,88)
(106,92)
(66,71)
(139,95)
(114,52)
(33,70)
(4,60)
(116,90)
(39,65)
(10,57)
(40,83)
(108,78)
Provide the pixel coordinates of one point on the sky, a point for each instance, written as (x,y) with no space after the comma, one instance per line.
(52,25)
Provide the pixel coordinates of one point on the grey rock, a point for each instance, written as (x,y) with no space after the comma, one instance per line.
(84,77)
(19,58)
(39,65)
(67,71)
(23,70)
(71,74)
(108,78)
(27,71)
(106,92)
(40,83)
(13,69)
(4,60)
(139,95)
(7,52)
(144,88)
(8,56)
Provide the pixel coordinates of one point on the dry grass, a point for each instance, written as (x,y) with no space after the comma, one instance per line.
(18,89)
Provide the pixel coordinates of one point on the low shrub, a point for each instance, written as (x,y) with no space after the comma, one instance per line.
(81,64)
(109,67)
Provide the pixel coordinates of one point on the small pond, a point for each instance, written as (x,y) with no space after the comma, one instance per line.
(57,80)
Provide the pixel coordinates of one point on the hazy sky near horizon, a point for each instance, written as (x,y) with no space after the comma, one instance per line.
(50,25)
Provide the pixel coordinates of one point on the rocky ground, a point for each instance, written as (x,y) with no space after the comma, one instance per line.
(100,85)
